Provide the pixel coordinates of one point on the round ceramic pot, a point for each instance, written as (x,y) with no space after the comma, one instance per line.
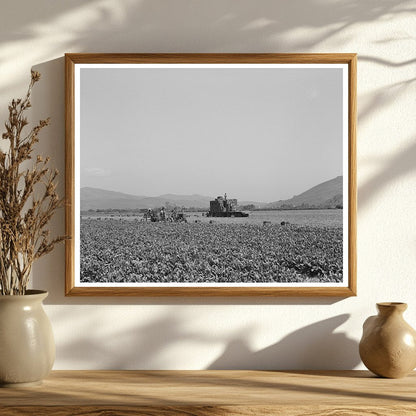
(27,347)
(388,345)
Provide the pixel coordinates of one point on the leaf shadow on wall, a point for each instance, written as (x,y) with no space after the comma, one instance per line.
(151,26)
(402,163)
(394,168)
(137,347)
(315,346)
(240,28)
(312,347)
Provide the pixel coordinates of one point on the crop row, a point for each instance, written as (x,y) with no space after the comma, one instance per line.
(132,251)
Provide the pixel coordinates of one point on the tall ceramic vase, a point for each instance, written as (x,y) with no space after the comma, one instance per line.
(27,347)
(388,345)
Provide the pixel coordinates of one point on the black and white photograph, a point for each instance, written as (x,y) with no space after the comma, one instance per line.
(211,175)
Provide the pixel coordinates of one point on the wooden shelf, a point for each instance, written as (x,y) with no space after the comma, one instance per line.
(203,393)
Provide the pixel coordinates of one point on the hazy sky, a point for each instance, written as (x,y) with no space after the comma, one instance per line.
(257,134)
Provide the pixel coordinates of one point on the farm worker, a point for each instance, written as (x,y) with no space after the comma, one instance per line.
(148,214)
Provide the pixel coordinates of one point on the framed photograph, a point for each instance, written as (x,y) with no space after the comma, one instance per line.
(211,174)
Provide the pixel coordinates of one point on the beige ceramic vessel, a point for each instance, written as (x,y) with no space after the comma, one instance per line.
(27,347)
(388,344)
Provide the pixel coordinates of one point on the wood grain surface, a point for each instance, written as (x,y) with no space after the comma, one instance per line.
(203,393)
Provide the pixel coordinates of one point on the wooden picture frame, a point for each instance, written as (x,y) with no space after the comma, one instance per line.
(333,75)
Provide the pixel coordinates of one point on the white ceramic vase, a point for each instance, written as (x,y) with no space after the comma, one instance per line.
(27,347)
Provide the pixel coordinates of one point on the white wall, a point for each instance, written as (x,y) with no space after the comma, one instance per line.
(199,333)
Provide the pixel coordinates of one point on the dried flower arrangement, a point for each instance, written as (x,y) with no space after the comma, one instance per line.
(28,199)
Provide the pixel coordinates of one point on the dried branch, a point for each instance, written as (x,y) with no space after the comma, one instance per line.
(23,218)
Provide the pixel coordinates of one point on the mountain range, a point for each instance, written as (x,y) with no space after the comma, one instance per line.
(325,195)
(94,198)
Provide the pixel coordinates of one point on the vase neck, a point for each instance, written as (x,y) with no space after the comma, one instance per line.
(391,308)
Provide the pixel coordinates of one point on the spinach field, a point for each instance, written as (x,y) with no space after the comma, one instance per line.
(133,251)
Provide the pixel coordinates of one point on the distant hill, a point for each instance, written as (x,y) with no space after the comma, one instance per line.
(325,195)
(94,198)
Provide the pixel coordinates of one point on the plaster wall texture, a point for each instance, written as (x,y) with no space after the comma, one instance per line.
(255,333)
